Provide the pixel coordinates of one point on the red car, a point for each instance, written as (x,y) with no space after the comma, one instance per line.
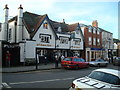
(74,62)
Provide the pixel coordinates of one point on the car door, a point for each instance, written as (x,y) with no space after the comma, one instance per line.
(83,64)
(78,62)
(103,63)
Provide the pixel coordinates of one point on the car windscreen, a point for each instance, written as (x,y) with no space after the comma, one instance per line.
(79,60)
(105,77)
(67,59)
(99,60)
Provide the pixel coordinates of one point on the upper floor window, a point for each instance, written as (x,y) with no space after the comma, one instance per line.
(9,34)
(90,29)
(94,30)
(94,41)
(59,29)
(98,41)
(77,30)
(45,38)
(98,32)
(90,41)
(77,41)
(45,25)
(64,40)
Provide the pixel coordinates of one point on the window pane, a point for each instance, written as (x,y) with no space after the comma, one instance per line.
(67,59)
(105,77)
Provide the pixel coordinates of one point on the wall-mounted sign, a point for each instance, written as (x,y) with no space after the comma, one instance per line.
(43,45)
(76,47)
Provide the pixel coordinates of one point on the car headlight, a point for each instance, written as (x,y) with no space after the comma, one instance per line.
(76,88)
(73,85)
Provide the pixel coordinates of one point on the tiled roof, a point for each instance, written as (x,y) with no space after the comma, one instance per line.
(32,22)
(72,27)
(63,26)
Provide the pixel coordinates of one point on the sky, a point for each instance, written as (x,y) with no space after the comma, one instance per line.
(73,11)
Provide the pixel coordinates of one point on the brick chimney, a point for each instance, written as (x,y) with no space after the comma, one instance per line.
(19,24)
(95,23)
(63,20)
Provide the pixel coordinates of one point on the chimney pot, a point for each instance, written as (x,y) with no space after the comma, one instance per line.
(20,7)
(6,7)
(63,20)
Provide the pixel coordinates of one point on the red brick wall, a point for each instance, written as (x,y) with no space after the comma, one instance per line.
(88,34)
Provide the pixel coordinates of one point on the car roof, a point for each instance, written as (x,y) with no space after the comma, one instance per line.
(110,71)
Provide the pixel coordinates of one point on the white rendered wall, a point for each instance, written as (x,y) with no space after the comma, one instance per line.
(63,46)
(49,31)
(30,49)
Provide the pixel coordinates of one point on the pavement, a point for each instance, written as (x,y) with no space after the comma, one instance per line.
(29,68)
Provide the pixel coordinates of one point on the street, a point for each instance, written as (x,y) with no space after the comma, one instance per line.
(55,78)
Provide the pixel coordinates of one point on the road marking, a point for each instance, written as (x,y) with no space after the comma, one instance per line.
(5,85)
(41,81)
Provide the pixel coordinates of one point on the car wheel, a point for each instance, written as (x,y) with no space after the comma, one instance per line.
(98,64)
(77,67)
(88,65)
(106,65)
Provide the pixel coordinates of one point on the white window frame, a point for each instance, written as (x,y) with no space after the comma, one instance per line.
(77,30)
(10,34)
(63,40)
(45,39)
(94,30)
(98,32)
(90,40)
(90,29)
(98,41)
(94,41)
(45,25)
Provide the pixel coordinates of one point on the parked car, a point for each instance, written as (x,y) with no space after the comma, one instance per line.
(98,79)
(74,62)
(116,61)
(98,62)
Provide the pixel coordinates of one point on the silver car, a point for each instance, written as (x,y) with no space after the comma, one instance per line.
(99,79)
(98,62)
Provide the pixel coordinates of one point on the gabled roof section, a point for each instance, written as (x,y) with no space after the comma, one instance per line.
(63,26)
(116,40)
(32,22)
(72,27)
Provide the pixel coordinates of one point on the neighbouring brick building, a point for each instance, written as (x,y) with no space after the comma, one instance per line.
(93,41)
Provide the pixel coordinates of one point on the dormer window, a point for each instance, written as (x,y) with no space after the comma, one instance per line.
(77,41)
(64,40)
(45,38)
(94,30)
(59,29)
(90,29)
(45,25)
(77,30)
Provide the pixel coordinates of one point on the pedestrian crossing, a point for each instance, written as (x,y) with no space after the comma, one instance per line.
(5,85)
